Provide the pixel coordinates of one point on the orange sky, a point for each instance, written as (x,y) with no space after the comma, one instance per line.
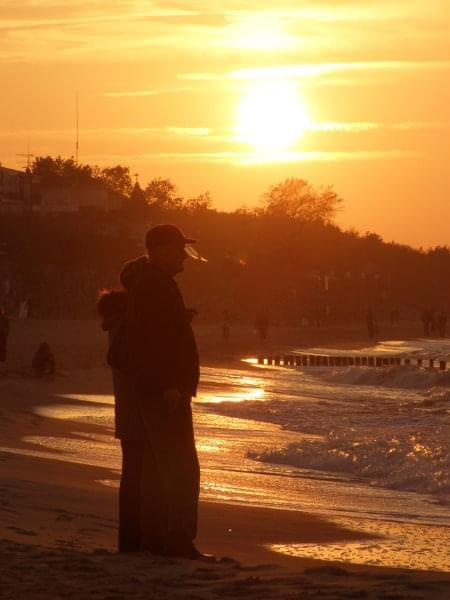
(353,94)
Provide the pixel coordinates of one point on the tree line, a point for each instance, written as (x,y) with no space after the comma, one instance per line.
(285,257)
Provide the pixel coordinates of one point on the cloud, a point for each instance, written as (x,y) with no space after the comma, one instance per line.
(356,127)
(252,158)
(414,125)
(148,92)
(304,71)
(99,30)
(212,135)
(168,129)
(349,127)
(189,131)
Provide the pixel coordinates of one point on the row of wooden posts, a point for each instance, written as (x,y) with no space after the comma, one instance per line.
(317,360)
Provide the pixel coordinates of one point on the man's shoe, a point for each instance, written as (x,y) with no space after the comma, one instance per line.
(186,549)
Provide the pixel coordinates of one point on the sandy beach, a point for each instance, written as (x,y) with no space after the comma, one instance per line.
(58,516)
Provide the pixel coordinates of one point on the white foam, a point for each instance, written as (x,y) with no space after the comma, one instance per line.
(412,462)
(425,347)
(390,426)
(396,376)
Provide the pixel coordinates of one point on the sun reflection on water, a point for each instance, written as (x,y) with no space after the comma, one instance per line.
(237,396)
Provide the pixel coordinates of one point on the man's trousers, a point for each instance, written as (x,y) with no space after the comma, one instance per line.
(160,482)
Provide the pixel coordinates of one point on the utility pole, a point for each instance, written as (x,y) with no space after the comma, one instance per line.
(28,179)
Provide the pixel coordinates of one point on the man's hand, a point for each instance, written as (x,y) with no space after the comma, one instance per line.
(173,399)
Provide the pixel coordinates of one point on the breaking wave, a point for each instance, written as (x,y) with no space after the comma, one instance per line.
(409,462)
(391,428)
(396,376)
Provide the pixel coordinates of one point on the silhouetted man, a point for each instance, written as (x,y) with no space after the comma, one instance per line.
(163,365)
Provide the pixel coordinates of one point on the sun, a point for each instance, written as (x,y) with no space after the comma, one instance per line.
(271,116)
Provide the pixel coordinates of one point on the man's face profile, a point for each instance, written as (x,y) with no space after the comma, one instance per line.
(170,256)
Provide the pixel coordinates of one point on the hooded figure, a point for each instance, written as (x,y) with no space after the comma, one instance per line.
(112,305)
(134,499)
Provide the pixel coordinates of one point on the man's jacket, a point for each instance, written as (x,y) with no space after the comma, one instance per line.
(161,352)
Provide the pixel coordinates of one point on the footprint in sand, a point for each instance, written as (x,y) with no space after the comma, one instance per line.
(21,531)
(64,517)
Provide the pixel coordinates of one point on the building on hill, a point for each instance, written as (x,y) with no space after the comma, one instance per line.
(76,198)
(17,191)
(21,192)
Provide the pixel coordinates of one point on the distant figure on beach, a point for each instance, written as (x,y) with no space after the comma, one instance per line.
(226,325)
(394,316)
(441,323)
(371,322)
(23,309)
(262,326)
(433,324)
(4,333)
(427,319)
(161,361)
(43,362)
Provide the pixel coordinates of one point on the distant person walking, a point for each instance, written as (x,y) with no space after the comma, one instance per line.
(441,323)
(4,333)
(394,316)
(226,325)
(162,363)
(43,361)
(262,326)
(427,320)
(371,322)
(23,309)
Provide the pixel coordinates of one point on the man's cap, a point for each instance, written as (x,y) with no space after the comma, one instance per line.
(166,234)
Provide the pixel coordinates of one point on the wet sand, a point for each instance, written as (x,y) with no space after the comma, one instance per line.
(58,527)
(58,532)
(33,487)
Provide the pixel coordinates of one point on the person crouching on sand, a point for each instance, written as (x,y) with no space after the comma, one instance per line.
(43,362)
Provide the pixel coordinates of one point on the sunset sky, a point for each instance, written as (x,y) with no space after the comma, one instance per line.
(234,96)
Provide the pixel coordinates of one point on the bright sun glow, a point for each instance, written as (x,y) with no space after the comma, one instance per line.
(272,116)
(259,33)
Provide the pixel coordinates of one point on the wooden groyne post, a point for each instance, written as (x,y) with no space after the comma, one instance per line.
(325,360)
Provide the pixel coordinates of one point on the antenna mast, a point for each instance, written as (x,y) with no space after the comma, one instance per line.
(76,118)
(28,155)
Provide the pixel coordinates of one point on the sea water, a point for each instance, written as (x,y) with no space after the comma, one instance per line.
(367,448)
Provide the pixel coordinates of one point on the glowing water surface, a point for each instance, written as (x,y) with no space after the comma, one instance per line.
(255,427)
